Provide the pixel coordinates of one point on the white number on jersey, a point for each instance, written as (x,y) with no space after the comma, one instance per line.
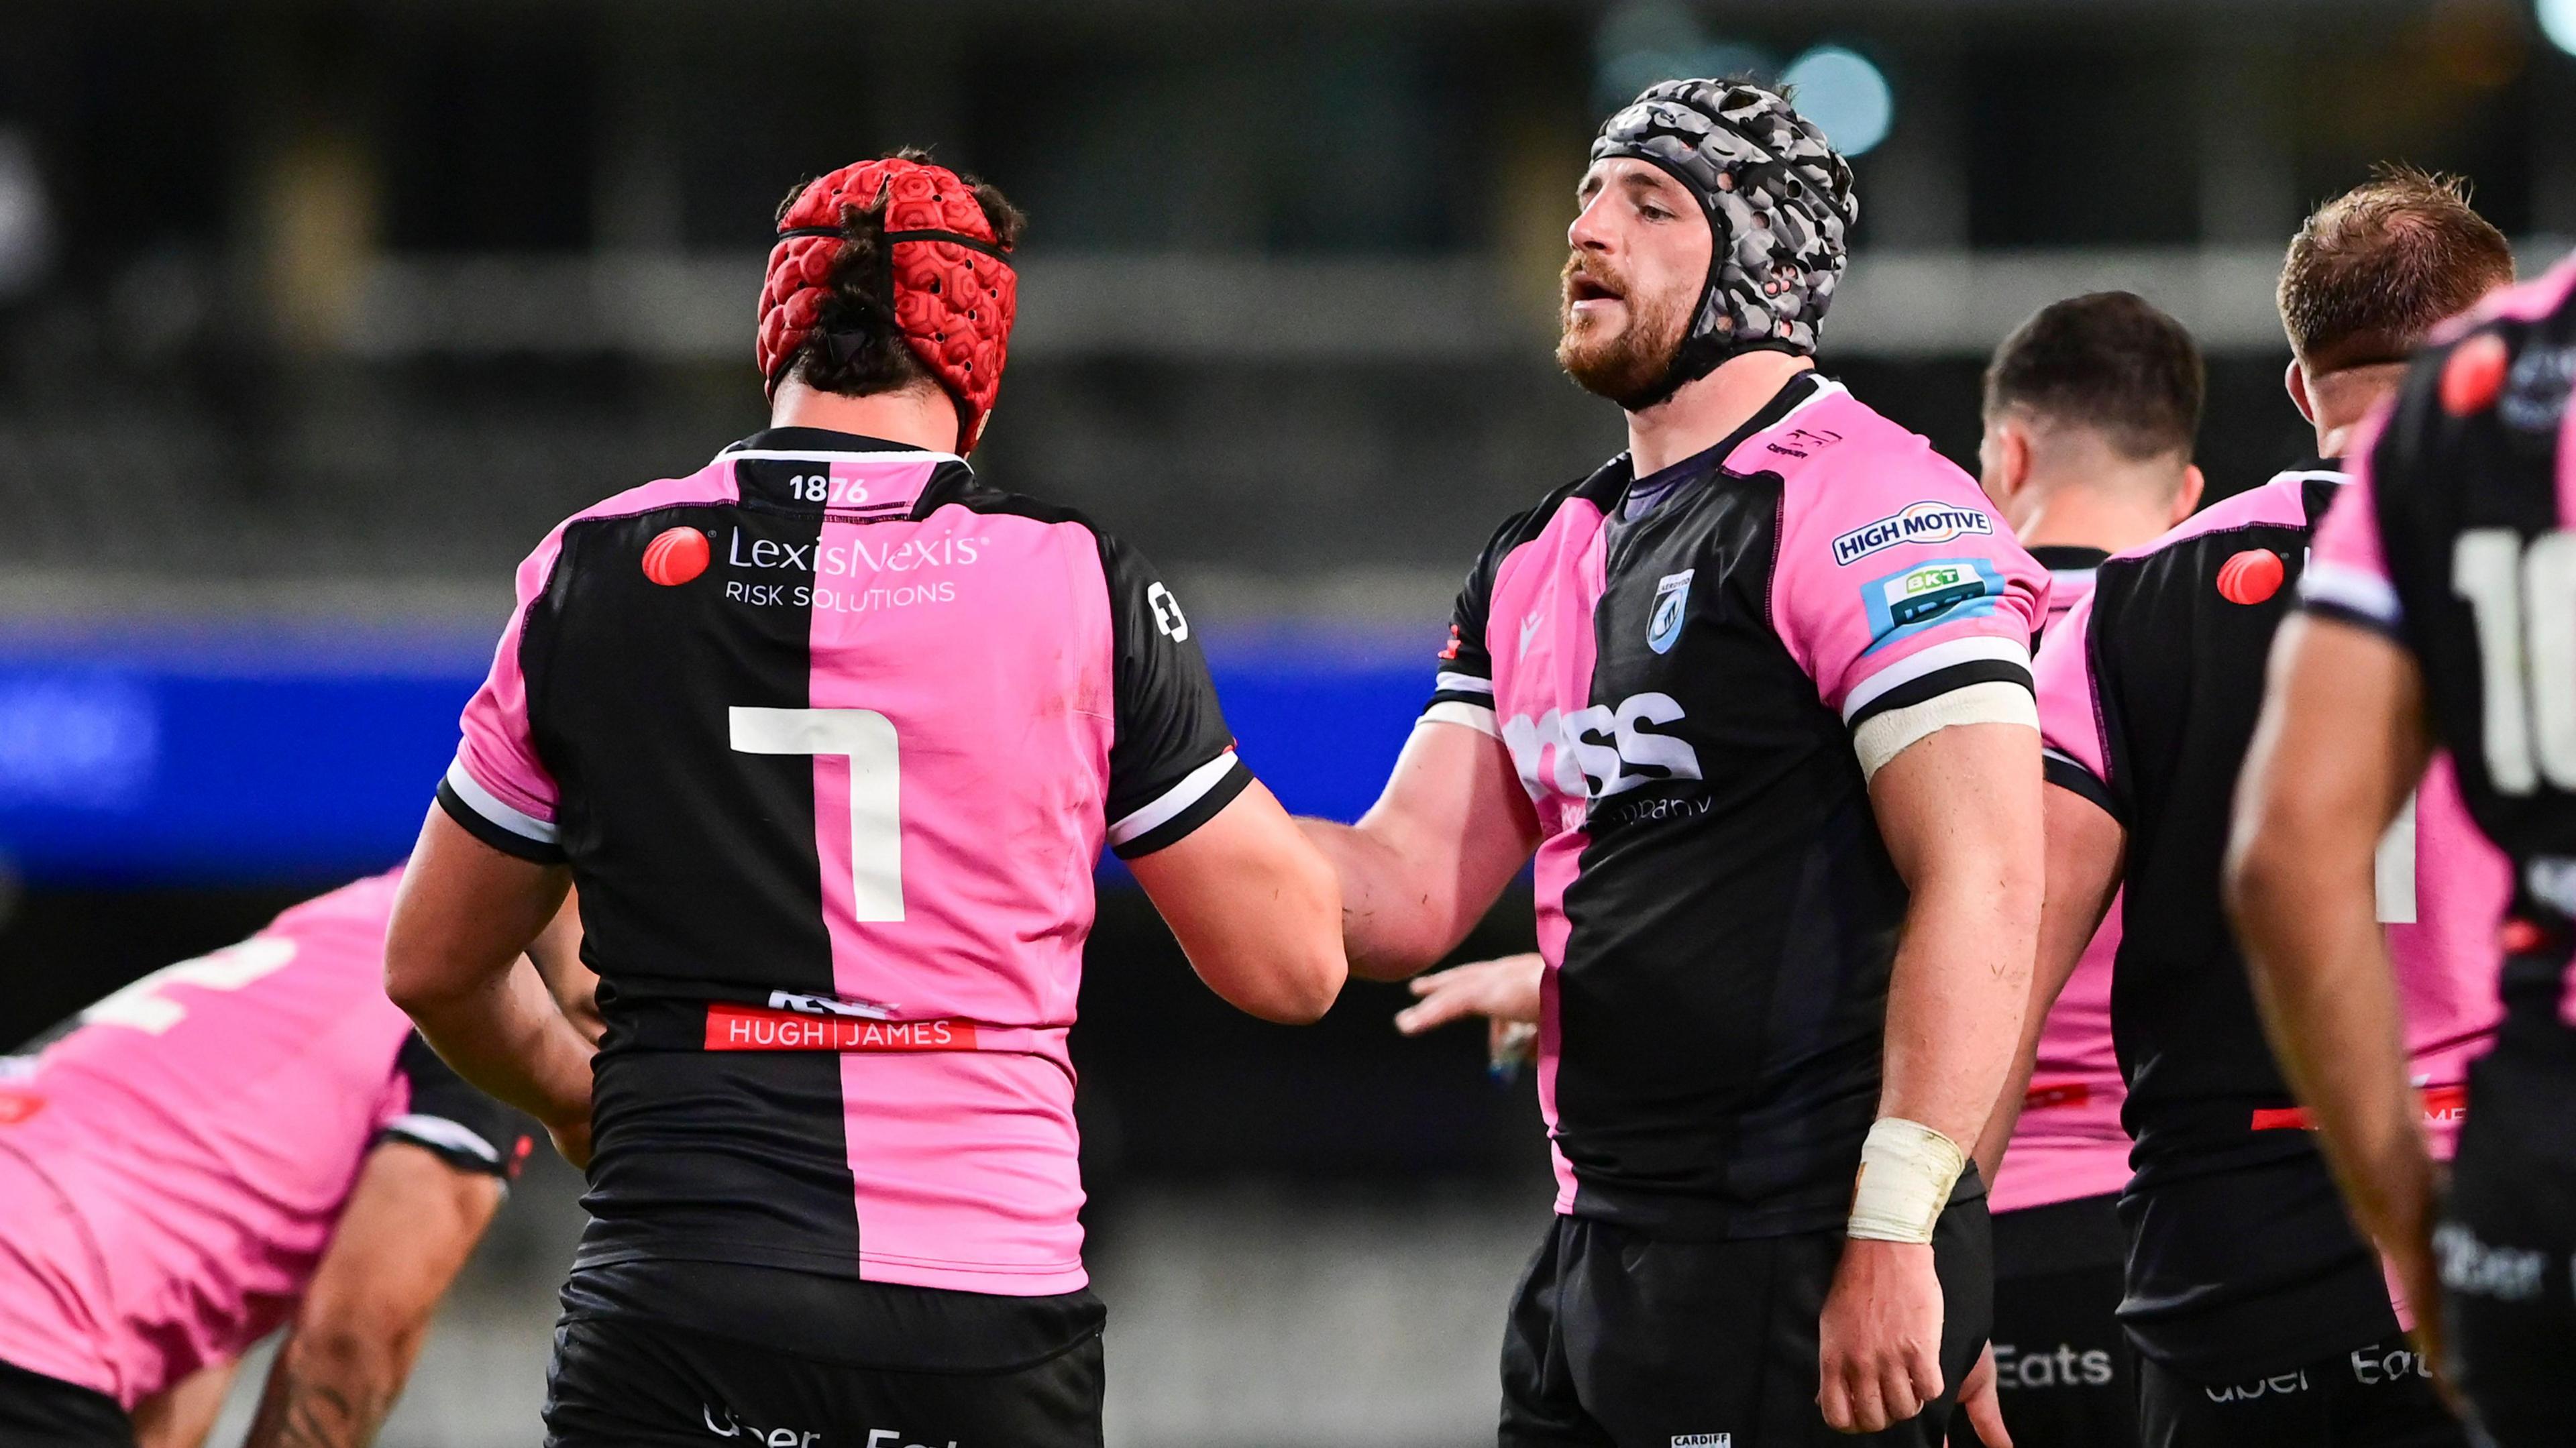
(2525,601)
(142,1006)
(867,739)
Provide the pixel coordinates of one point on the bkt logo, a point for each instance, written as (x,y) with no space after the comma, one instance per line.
(1589,753)
(1924,522)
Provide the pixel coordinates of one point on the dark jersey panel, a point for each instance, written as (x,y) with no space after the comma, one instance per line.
(2473,517)
(1170,727)
(460,1125)
(705,885)
(1699,1095)
(2240,1246)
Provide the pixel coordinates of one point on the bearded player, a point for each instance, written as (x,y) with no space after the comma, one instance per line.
(244,1141)
(2436,616)
(832,733)
(1757,696)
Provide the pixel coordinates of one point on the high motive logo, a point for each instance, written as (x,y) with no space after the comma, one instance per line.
(1923,522)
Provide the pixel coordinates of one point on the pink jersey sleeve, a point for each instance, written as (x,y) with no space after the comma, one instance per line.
(508,796)
(1894,583)
(2347,573)
(2070,726)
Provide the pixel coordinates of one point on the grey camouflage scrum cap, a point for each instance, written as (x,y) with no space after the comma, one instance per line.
(1779,201)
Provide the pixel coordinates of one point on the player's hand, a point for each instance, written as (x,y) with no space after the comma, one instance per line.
(1505,992)
(1880,1340)
(2419,1276)
(572,1140)
(1983,1405)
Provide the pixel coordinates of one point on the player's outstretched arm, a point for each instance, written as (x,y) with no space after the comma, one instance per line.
(407,1229)
(1960,811)
(453,963)
(2341,743)
(1433,854)
(1254,907)
(2086,849)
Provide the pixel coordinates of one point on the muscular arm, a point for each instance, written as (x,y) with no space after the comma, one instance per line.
(2341,743)
(1960,811)
(2084,855)
(452,961)
(1433,854)
(408,1227)
(1254,907)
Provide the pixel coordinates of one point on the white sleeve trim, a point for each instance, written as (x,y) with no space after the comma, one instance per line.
(1463,684)
(1938,657)
(2345,586)
(1459,711)
(1192,788)
(483,802)
(1890,734)
(439,1131)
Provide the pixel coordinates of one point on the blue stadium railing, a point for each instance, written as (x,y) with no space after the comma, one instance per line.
(243,756)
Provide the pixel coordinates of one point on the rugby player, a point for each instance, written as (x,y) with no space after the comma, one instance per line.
(2435,618)
(2259,1316)
(831,734)
(2091,408)
(1756,693)
(250,1139)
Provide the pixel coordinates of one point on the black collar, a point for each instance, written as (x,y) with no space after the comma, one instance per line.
(823,440)
(1617,478)
(2067,557)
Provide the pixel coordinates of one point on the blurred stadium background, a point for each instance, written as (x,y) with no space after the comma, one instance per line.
(314,316)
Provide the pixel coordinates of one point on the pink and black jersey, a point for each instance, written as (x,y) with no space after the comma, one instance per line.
(2458,541)
(831,735)
(2067,1143)
(1676,664)
(2241,1259)
(173,1162)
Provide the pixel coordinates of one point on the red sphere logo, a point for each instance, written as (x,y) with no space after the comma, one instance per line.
(675,557)
(2250,577)
(2474,375)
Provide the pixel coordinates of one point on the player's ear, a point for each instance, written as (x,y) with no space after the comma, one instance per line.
(2003,462)
(2187,497)
(2297,381)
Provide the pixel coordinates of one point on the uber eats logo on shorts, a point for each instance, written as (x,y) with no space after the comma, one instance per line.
(1944,590)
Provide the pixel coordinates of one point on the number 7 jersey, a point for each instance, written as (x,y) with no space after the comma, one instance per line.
(2458,542)
(831,736)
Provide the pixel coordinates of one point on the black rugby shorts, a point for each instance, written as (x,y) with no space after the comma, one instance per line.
(2064,1370)
(1618,1340)
(2377,1395)
(2506,1244)
(41,1412)
(704,1355)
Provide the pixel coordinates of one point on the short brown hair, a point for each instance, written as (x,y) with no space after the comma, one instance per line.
(2375,269)
(2108,361)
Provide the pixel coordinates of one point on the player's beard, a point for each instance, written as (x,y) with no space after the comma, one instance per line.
(1629,366)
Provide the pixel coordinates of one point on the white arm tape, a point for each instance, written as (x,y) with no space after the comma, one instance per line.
(1882,737)
(1906,1172)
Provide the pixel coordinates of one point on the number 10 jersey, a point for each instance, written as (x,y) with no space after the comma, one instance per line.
(830,735)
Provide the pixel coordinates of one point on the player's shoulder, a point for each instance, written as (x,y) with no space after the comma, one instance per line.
(1581,505)
(1829,440)
(2280,501)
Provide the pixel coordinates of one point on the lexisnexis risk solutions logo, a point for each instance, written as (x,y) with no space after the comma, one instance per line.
(1923,522)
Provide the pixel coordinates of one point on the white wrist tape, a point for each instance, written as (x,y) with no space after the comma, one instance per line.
(1882,737)
(1906,1172)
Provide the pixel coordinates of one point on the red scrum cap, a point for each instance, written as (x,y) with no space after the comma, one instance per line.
(954,290)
